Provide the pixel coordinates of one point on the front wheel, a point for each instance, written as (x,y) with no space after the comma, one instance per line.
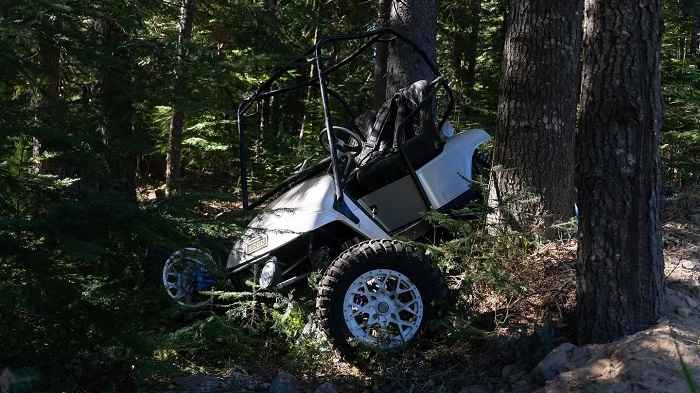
(379,294)
(186,275)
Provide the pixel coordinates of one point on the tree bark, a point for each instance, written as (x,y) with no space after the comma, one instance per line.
(380,56)
(620,263)
(532,184)
(47,113)
(694,35)
(464,44)
(472,46)
(689,15)
(417,20)
(312,69)
(458,42)
(118,111)
(177,122)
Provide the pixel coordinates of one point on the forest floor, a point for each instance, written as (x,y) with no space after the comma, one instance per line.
(524,344)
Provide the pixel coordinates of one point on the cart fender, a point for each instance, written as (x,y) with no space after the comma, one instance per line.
(449,175)
(303,209)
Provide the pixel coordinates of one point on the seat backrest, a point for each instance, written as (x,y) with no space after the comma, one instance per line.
(395,122)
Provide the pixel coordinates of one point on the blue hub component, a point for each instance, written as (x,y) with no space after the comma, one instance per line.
(202,279)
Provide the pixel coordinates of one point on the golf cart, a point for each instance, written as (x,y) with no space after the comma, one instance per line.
(342,215)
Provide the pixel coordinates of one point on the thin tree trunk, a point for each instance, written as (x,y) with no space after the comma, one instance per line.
(118,111)
(458,44)
(272,7)
(534,147)
(620,263)
(307,97)
(498,40)
(416,19)
(177,122)
(694,35)
(312,70)
(48,100)
(380,56)
(472,46)
(457,55)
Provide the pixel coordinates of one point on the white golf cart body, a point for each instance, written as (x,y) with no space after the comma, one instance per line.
(384,171)
(310,204)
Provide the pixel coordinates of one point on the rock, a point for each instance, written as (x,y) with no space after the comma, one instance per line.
(283,382)
(688,264)
(199,383)
(646,361)
(475,389)
(554,363)
(692,303)
(326,388)
(241,381)
(683,312)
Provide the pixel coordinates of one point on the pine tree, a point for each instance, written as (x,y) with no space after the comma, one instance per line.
(533,178)
(620,280)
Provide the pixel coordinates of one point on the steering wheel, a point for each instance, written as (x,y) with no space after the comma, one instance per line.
(347,141)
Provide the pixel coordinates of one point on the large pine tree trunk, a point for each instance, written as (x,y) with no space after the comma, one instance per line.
(416,19)
(620,261)
(177,122)
(533,179)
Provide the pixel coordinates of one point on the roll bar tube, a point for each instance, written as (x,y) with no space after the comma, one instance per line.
(263,91)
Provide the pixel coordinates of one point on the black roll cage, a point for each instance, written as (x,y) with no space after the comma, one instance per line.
(263,91)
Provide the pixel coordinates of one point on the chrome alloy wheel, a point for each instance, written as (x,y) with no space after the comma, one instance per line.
(179,276)
(383,308)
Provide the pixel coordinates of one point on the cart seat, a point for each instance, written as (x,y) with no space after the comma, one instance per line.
(406,114)
(405,122)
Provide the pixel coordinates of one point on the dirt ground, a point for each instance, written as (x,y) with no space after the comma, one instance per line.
(650,360)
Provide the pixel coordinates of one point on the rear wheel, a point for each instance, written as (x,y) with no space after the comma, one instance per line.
(379,294)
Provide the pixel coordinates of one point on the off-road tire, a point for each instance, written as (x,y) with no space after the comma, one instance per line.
(363,257)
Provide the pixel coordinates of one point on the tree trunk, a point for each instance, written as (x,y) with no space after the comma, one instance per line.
(533,177)
(49,61)
(464,44)
(118,111)
(417,20)
(694,35)
(272,6)
(620,262)
(177,122)
(312,70)
(689,21)
(458,43)
(380,56)
(472,46)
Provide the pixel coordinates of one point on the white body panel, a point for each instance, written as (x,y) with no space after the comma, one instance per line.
(449,175)
(309,205)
